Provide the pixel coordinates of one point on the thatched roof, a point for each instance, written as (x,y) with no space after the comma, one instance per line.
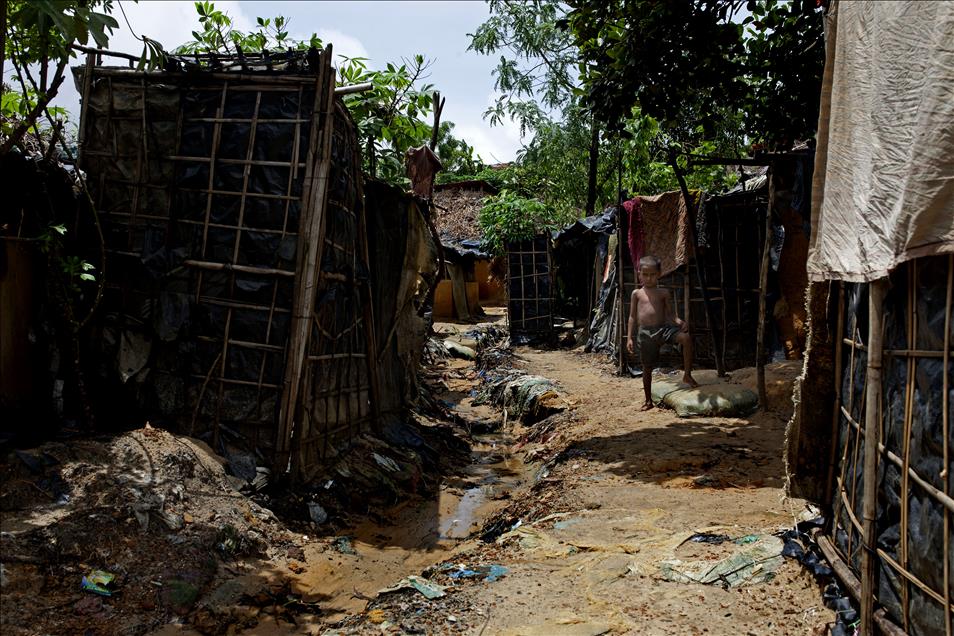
(457,206)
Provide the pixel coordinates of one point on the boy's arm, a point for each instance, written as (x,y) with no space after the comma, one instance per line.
(631,323)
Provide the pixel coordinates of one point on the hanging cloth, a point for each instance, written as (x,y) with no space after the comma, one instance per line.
(659,226)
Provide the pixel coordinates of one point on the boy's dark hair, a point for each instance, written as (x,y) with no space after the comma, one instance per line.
(650,261)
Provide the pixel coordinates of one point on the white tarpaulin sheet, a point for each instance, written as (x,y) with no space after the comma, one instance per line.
(884,171)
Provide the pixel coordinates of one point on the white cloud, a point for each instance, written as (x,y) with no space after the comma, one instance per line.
(497,144)
(342,43)
(170,23)
(494,144)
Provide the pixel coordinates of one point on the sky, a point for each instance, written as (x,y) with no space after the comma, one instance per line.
(384,31)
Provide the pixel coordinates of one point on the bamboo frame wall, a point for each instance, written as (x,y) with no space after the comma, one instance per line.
(910,570)
(530,286)
(242,191)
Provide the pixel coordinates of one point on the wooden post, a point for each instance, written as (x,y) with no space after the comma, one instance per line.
(622,230)
(84,107)
(310,244)
(700,265)
(763,290)
(839,339)
(876,291)
(946,424)
(438,109)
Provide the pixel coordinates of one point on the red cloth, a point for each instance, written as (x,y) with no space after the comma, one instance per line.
(634,234)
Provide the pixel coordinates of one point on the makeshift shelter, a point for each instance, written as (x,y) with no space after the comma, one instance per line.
(467,280)
(530,290)
(579,253)
(730,236)
(240,297)
(872,435)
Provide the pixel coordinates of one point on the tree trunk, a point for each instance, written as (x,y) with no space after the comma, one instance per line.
(594,163)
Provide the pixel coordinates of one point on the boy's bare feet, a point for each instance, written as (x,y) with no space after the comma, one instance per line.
(688,379)
(647,405)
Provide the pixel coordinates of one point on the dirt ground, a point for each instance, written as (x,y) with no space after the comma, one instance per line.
(616,493)
(584,510)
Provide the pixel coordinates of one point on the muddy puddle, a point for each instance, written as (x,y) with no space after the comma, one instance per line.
(411,536)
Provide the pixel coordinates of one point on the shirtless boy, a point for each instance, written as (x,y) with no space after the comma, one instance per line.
(652,309)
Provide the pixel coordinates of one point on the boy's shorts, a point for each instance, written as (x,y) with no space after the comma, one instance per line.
(651,339)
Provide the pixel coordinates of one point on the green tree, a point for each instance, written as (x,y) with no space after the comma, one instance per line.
(509,216)
(40,38)
(536,74)
(694,64)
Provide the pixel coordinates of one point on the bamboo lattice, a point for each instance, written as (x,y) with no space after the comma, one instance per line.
(913,476)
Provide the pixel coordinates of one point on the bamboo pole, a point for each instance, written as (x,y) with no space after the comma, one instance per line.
(362,250)
(763,301)
(876,292)
(622,226)
(700,266)
(944,500)
(911,323)
(843,572)
(310,229)
(839,354)
(84,108)
(243,269)
(945,423)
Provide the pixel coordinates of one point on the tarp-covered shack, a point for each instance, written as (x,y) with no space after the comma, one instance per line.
(873,433)
(241,301)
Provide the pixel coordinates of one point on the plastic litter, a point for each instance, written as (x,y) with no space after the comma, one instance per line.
(387,463)
(428,588)
(343,545)
(705,537)
(747,539)
(527,397)
(755,563)
(460,351)
(318,514)
(489,573)
(99,582)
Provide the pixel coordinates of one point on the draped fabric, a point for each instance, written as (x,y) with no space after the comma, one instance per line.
(883,190)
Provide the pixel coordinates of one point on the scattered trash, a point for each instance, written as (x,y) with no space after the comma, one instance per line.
(387,463)
(749,565)
(343,545)
(318,514)
(99,582)
(377,616)
(747,539)
(704,480)
(460,351)
(529,398)
(489,573)
(705,537)
(429,589)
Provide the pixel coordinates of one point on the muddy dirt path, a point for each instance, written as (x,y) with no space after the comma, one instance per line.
(616,495)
